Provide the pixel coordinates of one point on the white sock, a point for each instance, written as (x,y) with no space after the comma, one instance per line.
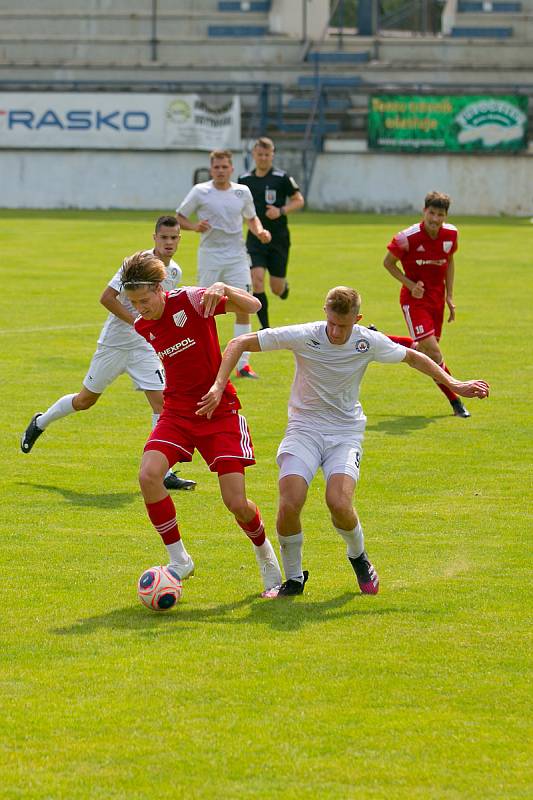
(61,408)
(291,555)
(264,550)
(177,553)
(239,330)
(355,541)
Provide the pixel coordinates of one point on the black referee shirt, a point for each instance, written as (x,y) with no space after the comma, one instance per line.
(272,189)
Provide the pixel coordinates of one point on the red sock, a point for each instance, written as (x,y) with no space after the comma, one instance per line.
(444,389)
(405,340)
(163,517)
(255,530)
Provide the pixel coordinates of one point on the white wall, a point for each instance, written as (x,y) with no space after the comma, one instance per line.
(488,185)
(290,18)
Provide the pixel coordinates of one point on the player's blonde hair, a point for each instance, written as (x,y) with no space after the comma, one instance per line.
(343,300)
(220,154)
(264,142)
(142,269)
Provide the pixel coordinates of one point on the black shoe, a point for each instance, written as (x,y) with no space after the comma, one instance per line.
(173,482)
(31,434)
(367,577)
(292,587)
(285,292)
(458,409)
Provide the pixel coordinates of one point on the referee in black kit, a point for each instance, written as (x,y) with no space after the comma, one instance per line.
(275,195)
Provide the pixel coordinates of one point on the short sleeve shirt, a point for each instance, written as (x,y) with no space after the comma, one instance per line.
(425,259)
(187,345)
(225,210)
(325,389)
(116,332)
(271,189)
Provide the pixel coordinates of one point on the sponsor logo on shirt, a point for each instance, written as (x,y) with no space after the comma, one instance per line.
(180,318)
(437,262)
(362,345)
(179,347)
(313,343)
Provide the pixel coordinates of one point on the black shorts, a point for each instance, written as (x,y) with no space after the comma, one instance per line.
(274,256)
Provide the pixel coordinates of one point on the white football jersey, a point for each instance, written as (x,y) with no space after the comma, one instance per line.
(325,389)
(224,209)
(116,332)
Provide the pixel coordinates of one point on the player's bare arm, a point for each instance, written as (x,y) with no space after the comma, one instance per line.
(188,225)
(239,300)
(422,363)
(109,300)
(391,265)
(450,276)
(294,203)
(248,342)
(256,227)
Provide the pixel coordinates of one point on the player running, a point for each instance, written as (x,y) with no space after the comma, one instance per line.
(181,328)
(120,350)
(275,195)
(326,421)
(221,206)
(426,253)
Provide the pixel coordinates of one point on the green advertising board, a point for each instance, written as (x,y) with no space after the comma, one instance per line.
(447,124)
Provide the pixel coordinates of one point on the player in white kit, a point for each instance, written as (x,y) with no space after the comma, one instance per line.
(121,350)
(221,206)
(326,421)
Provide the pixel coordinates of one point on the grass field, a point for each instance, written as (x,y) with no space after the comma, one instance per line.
(421,692)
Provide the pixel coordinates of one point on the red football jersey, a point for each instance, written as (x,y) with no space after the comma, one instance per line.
(188,347)
(424,259)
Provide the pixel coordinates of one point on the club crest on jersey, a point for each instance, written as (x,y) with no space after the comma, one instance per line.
(180,318)
(270,196)
(362,345)
(152,337)
(172,273)
(447,246)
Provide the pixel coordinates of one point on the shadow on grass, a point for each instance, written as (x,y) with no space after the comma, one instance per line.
(283,615)
(109,500)
(400,426)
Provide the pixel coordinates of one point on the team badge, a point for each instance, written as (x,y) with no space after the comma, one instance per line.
(362,345)
(173,273)
(313,343)
(180,318)
(152,337)
(270,196)
(447,246)
(238,192)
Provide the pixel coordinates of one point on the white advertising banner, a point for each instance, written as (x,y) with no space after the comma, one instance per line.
(74,120)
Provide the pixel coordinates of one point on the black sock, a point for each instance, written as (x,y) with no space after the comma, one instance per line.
(262,314)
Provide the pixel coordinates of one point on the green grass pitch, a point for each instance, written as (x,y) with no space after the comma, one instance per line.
(421,692)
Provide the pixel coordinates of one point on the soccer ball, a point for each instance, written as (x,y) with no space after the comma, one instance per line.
(159,588)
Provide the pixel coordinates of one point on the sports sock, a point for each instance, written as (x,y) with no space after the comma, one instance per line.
(61,408)
(262,314)
(163,517)
(355,541)
(444,389)
(255,529)
(291,555)
(405,340)
(240,329)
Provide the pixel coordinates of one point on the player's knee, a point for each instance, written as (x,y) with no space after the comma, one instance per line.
(289,507)
(149,476)
(339,505)
(237,505)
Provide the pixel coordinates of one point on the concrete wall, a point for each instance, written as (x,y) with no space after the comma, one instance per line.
(343,181)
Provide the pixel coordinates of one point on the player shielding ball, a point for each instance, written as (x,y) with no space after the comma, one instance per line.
(426,252)
(180,326)
(326,421)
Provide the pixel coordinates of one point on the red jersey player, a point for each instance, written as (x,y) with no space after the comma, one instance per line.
(181,328)
(425,251)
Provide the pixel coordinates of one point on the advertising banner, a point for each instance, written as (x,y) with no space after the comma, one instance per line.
(451,124)
(73,120)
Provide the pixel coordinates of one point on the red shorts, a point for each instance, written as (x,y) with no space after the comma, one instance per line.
(423,320)
(217,440)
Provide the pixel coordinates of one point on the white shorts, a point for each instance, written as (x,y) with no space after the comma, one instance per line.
(303,452)
(235,274)
(143,367)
